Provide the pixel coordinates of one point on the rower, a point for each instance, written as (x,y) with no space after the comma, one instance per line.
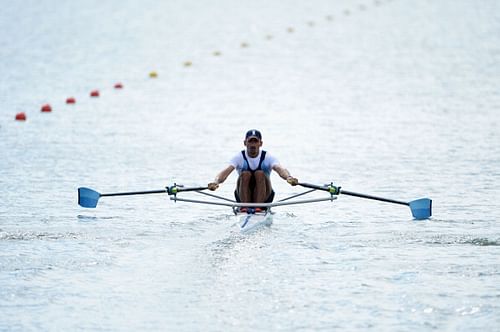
(254,168)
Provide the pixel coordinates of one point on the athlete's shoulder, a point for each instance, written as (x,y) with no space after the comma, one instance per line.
(271,159)
(237,159)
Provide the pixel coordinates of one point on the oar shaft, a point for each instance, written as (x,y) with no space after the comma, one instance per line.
(351,193)
(162,191)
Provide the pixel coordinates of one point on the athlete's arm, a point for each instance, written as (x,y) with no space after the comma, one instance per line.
(285,174)
(221,177)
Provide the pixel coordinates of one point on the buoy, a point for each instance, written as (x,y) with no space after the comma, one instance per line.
(269,37)
(244,45)
(94,93)
(118,86)
(329,18)
(216,53)
(46,108)
(188,64)
(290,30)
(70,100)
(21,116)
(153,74)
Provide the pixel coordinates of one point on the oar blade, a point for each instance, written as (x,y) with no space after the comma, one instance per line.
(87,197)
(421,208)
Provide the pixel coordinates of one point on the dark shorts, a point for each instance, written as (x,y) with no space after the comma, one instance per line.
(269,199)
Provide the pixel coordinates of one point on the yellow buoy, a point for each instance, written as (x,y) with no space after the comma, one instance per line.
(216,53)
(187,64)
(153,74)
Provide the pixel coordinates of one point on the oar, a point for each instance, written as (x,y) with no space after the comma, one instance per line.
(88,198)
(420,208)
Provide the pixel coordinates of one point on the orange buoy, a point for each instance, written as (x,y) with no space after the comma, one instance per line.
(46,108)
(118,86)
(70,100)
(94,93)
(21,116)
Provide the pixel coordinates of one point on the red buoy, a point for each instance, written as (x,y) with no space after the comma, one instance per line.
(118,86)
(70,100)
(94,93)
(46,108)
(21,116)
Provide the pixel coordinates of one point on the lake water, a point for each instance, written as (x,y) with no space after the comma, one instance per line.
(398,99)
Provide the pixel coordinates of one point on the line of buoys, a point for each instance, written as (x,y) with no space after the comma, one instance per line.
(46,108)
(21,116)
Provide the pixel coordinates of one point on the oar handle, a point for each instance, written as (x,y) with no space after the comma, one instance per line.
(192,189)
(313,186)
(175,189)
(334,190)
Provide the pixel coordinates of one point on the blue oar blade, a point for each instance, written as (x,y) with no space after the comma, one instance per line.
(421,208)
(87,197)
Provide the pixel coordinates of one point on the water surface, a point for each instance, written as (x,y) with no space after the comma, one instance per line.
(393,98)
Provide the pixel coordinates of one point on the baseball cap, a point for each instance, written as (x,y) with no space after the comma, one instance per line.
(253,133)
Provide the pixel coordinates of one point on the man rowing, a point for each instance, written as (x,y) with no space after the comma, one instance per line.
(254,168)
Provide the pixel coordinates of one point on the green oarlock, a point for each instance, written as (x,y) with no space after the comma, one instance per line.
(334,190)
(173,190)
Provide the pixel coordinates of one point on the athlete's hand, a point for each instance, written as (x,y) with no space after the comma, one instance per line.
(293,181)
(213,186)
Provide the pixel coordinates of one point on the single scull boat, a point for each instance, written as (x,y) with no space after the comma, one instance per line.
(257,214)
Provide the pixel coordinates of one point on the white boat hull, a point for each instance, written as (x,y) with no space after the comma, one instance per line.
(251,222)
